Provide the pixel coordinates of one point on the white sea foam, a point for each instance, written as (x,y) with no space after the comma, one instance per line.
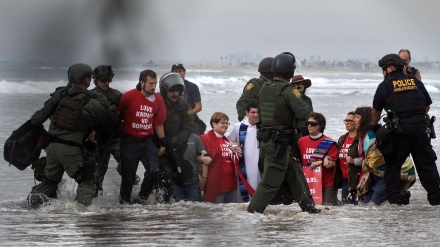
(105,222)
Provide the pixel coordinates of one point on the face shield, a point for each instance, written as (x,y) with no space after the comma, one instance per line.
(297,66)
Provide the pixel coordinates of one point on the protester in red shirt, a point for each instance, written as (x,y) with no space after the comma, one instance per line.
(347,173)
(222,181)
(312,157)
(143,113)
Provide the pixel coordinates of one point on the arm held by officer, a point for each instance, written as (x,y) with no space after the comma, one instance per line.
(206,161)
(160,132)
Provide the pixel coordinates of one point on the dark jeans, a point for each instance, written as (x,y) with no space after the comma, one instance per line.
(133,151)
(344,191)
(376,192)
(188,192)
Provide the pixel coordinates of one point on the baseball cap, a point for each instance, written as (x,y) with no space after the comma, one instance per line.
(177,66)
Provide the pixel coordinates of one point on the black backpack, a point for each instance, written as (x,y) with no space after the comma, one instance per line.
(24,145)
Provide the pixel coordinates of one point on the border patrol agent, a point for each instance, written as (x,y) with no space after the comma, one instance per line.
(107,139)
(252,88)
(178,127)
(72,113)
(281,109)
(407,98)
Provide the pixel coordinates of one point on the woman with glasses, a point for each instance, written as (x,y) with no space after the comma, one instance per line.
(347,173)
(319,152)
(221,184)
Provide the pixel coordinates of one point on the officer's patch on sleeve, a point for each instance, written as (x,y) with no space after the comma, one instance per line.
(296,93)
(249,86)
(189,112)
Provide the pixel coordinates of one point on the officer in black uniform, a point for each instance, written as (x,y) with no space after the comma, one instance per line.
(406,100)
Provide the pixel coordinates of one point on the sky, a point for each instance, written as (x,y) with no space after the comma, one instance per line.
(107,31)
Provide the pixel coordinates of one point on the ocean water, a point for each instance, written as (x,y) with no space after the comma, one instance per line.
(66,223)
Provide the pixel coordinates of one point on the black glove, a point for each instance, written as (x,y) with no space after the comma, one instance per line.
(374,128)
(166,142)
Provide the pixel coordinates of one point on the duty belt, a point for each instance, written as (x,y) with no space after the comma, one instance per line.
(61,141)
(414,119)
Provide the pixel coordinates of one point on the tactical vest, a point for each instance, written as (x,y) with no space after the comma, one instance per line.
(411,71)
(68,113)
(405,99)
(272,113)
(174,124)
(111,94)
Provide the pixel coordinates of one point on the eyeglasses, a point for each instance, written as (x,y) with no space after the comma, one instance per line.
(312,123)
(299,83)
(105,80)
(346,121)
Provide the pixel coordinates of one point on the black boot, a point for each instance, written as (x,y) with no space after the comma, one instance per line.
(352,197)
(400,199)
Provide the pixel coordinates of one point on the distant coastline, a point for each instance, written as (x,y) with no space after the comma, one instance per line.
(15,70)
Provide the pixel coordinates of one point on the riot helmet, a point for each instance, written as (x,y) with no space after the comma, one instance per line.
(78,72)
(391,59)
(265,68)
(265,65)
(103,72)
(284,65)
(171,81)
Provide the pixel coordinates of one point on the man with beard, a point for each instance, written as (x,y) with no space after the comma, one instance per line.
(143,113)
(178,127)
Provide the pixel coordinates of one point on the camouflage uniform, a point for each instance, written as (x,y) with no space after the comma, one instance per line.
(178,126)
(108,141)
(281,109)
(250,92)
(64,153)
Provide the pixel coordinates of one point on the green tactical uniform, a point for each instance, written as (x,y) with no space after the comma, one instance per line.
(64,152)
(108,141)
(178,126)
(281,109)
(179,121)
(250,92)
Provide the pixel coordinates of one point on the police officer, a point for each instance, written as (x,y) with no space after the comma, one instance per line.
(252,88)
(281,109)
(67,135)
(107,139)
(178,127)
(406,99)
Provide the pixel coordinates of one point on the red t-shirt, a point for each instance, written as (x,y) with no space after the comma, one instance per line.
(307,146)
(228,181)
(221,173)
(342,156)
(140,114)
